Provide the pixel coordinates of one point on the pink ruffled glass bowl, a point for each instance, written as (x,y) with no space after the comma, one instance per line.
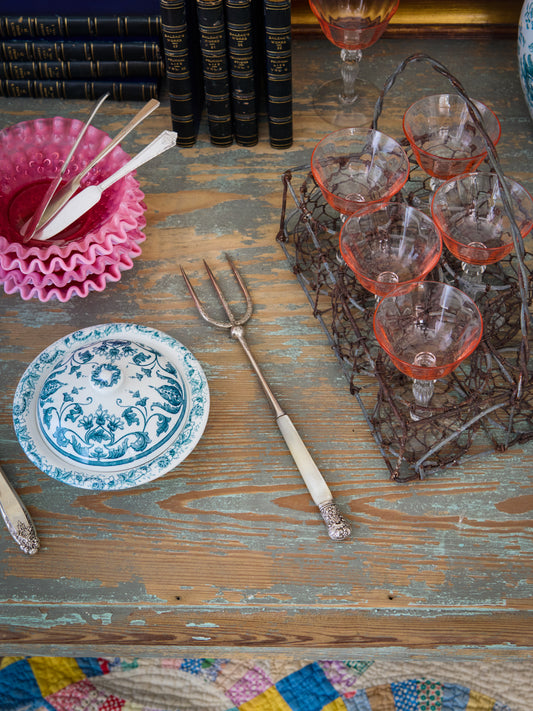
(95,249)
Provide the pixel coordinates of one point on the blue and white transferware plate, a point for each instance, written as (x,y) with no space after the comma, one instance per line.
(111,406)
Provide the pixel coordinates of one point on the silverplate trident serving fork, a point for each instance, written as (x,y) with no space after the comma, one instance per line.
(338,528)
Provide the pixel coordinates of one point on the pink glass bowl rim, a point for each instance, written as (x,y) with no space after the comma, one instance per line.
(478,156)
(424,372)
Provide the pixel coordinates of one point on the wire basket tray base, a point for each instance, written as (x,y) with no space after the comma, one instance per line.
(485,405)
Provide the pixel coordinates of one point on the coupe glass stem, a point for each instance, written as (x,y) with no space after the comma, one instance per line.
(351,59)
(422,393)
(422,389)
(473,279)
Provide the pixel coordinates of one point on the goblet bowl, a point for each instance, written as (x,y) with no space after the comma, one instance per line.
(390,248)
(444,137)
(428,330)
(470,215)
(359,170)
(353,24)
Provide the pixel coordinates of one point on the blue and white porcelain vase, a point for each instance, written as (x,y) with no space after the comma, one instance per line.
(525,52)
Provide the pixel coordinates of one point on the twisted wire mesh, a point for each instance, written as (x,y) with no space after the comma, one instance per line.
(488,399)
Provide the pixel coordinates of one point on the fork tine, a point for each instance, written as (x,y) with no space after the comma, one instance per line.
(197,303)
(233,320)
(246,293)
(220,295)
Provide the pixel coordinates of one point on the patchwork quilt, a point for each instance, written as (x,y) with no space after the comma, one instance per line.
(271,684)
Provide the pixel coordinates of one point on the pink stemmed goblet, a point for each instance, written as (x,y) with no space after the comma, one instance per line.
(445,139)
(427,332)
(359,170)
(470,215)
(352,25)
(391,248)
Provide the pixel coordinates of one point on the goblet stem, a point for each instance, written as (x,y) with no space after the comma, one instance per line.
(422,393)
(435,183)
(422,389)
(350,66)
(473,279)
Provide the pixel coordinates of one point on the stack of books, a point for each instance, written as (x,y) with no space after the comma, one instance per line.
(234,58)
(81,56)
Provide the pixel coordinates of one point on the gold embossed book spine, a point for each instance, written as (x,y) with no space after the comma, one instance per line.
(242,67)
(213,44)
(179,29)
(134,90)
(278,54)
(16,26)
(41,50)
(81,70)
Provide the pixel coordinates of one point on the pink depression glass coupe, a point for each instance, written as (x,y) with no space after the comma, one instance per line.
(445,139)
(427,332)
(470,215)
(352,25)
(391,248)
(359,170)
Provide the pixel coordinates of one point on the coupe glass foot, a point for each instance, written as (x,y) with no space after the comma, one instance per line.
(329,105)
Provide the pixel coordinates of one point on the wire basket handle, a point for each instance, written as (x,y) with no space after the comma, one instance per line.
(525,316)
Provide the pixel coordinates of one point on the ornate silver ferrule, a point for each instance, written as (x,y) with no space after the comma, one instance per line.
(338,527)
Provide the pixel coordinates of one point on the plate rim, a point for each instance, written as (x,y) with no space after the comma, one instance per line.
(28,432)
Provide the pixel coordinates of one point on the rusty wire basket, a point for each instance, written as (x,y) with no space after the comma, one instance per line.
(489,397)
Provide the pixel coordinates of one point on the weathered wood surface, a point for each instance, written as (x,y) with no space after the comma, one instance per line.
(226,554)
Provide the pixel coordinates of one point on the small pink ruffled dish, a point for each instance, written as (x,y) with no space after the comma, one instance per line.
(91,252)
(85,277)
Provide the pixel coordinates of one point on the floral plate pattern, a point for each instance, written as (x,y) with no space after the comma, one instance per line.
(152,412)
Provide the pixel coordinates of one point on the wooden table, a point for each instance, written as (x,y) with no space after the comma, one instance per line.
(226,554)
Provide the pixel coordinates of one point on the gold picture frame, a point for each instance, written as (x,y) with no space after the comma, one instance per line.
(429,17)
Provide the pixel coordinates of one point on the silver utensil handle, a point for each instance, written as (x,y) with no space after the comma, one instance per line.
(337,526)
(16,518)
(30,228)
(68,191)
(160,144)
(151,106)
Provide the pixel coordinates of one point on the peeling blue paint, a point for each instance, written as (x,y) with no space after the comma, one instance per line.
(201,624)
(42,621)
(105,617)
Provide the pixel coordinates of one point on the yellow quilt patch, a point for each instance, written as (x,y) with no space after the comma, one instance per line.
(269,700)
(53,674)
(336,705)
(479,702)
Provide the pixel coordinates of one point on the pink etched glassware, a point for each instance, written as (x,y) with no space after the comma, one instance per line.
(32,153)
(427,332)
(351,25)
(391,248)
(445,139)
(470,215)
(359,170)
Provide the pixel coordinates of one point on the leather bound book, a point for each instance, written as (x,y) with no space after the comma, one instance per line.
(56,50)
(12,26)
(278,58)
(134,90)
(81,70)
(179,27)
(212,29)
(242,69)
